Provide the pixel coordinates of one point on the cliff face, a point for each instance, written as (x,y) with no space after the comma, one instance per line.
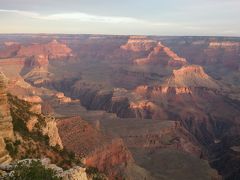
(98,150)
(5,117)
(112,159)
(35,69)
(29,121)
(191,76)
(37,61)
(139,44)
(224,44)
(162,55)
(6,126)
(108,100)
(74,131)
(4,155)
(51,131)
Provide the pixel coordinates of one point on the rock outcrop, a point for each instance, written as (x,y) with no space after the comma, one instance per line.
(35,69)
(191,76)
(62,98)
(75,173)
(4,155)
(110,156)
(35,61)
(36,103)
(6,126)
(139,44)
(51,131)
(224,44)
(162,55)
(5,116)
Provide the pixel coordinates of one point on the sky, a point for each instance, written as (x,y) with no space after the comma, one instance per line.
(122,17)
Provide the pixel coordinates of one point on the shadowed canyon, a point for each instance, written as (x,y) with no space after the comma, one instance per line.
(129,107)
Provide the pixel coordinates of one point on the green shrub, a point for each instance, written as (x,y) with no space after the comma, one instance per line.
(33,171)
(20,112)
(95,174)
(12,147)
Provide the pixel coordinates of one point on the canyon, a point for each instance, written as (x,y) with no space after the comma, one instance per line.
(134,107)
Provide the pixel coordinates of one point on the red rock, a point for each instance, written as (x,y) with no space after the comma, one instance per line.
(139,43)
(53,50)
(162,55)
(9,51)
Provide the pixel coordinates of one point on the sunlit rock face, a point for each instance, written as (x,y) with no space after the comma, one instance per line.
(36,103)
(225,44)
(4,156)
(6,126)
(112,158)
(5,117)
(139,43)
(51,131)
(108,155)
(162,55)
(191,76)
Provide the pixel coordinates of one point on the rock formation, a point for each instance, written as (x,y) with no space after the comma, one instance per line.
(191,76)
(4,155)
(51,131)
(224,44)
(5,117)
(35,61)
(9,50)
(35,69)
(139,44)
(36,103)
(75,173)
(98,150)
(112,158)
(6,126)
(162,55)
(53,49)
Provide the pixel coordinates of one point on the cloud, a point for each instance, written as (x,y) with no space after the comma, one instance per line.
(22,13)
(76,16)
(85,17)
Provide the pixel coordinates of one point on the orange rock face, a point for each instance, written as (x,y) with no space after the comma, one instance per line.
(111,158)
(191,76)
(83,139)
(74,131)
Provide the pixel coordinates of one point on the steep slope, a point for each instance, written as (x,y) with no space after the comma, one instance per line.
(5,116)
(35,69)
(193,98)
(5,121)
(162,55)
(191,76)
(109,155)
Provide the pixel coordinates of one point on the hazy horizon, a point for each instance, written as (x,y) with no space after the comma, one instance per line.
(160,18)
